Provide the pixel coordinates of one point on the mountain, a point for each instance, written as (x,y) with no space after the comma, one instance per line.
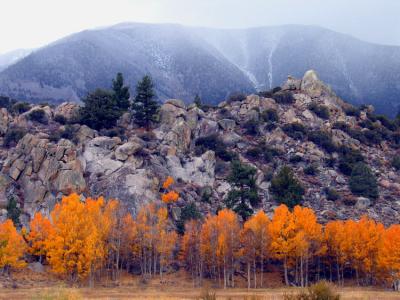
(211,62)
(180,64)
(9,58)
(304,126)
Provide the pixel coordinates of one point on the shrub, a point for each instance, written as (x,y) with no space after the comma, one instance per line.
(331,194)
(237,96)
(367,124)
(352,111)
(213,142)
(262,152)
(270,116)
(206,194)
(363,182)
(270,126)
(54,136)
(276,89)
(295,159)
(372,137)
(286,189)
(283,97)
(295,130)
(12,136)
(311,170)
(254,152)
(348,158)
(341,126)
(322,290)
(396,162)
(322,139)
(321,111)
(251,127)
(7,102)
(265,94)
(114,132)
(68,133)
(21,107)
(389,124)
(60,119)
(330,162)
(38,115)
(349,201)
(270,152)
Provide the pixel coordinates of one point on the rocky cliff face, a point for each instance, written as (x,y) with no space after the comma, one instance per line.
(42,168)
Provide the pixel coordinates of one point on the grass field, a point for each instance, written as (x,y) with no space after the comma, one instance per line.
(175,293)
(25,284)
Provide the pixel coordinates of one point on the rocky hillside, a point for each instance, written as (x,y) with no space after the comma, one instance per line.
(304,125)
(185,61)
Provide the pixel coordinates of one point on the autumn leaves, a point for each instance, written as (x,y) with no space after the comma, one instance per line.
(86,240)
(220,248)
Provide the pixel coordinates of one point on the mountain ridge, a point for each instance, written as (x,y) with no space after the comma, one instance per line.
(211,62)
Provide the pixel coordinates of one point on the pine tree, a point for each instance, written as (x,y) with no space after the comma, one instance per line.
(13,211)
(197,101)
(286,189)
(363,182)
(121,93)
(244,194)
(144,106)
(100,110)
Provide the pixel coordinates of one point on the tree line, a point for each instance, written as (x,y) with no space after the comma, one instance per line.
(83,241)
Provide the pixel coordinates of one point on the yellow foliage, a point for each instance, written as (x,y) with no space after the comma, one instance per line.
(12,246)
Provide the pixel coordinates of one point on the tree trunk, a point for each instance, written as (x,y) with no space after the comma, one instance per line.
(286,271)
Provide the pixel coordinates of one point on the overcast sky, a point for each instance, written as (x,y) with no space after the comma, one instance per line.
(33,23)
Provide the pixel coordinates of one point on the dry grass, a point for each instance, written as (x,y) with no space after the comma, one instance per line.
(64,293)
(174,286)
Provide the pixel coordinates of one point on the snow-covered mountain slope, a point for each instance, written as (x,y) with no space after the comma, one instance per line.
(9,58)
(185,61)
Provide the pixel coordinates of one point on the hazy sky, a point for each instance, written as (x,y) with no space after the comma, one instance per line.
(33,23)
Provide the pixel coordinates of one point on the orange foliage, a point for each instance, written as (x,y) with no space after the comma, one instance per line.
(75,248)
(40,230)
(84,237)
(170,197)
(168,182)
(12,246)
(389,254)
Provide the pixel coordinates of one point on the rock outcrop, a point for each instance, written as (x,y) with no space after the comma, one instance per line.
(40,169)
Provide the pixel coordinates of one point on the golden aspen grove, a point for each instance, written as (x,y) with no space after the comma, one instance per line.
(83,241)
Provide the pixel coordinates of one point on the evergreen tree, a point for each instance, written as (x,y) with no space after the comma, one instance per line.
(189,212)
(197,101)
(13,211)
(286,189)
(100,110)
(144,107)
(121,93)
(363,182)
(243,195)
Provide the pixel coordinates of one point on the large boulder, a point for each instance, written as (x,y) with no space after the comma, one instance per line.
(171,110)
(179,136)
(84,133)
(195,170)
(124,151)
(4,183)
(313,86)
(69,110)
(5,119)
